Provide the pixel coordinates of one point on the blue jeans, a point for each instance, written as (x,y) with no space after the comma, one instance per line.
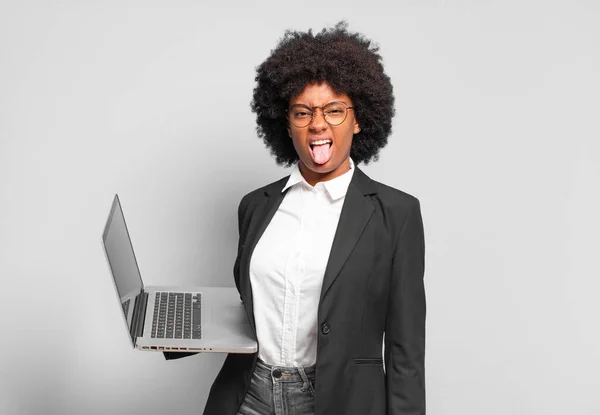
(279,390)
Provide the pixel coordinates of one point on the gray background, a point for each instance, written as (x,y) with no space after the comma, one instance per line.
(496,133)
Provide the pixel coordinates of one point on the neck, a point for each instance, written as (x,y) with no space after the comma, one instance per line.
(313,177)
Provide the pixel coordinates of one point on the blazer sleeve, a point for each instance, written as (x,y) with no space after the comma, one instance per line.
(405,322)
(241,225)
(236,267)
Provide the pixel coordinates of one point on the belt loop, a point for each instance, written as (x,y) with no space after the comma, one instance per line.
(305,384)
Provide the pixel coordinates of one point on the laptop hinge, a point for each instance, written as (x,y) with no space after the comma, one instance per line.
(139,316)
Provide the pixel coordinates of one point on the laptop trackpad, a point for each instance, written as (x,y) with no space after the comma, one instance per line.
(229,315)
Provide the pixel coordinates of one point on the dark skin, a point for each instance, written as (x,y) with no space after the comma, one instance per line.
(341,135)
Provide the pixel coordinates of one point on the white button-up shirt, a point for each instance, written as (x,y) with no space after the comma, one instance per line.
(288,265)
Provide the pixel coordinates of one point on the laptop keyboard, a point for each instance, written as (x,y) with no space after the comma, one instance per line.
(176,316)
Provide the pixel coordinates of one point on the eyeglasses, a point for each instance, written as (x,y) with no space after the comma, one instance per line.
(334,113)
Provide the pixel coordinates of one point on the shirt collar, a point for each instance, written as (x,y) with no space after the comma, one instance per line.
(336,187)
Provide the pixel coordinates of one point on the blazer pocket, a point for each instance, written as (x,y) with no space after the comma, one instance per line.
(368,361)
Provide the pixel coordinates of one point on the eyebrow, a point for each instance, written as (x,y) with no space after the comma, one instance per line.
(306,105)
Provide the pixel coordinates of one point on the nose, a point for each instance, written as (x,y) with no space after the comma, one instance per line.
(318,122)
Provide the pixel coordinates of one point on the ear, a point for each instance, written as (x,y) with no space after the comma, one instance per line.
(289,131)
(356,127)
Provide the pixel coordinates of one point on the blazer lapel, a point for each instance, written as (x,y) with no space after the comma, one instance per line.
(261,217)
(355,215)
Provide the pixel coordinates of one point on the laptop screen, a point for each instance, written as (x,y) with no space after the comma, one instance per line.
(121,258)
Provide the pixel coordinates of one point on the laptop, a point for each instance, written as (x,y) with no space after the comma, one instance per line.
(176,319)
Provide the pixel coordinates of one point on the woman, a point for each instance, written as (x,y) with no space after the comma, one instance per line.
(328,259)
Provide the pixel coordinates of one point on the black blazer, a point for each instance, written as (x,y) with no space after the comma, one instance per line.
(373,284)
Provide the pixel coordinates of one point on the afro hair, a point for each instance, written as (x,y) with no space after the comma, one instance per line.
(349,63)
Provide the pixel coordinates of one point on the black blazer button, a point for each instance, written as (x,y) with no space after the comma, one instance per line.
(325,329)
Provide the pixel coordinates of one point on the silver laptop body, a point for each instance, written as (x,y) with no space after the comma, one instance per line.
(179,319)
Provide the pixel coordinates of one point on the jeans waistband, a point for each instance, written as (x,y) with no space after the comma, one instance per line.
(283,373)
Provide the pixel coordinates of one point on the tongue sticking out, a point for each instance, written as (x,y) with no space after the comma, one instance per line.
(321,153)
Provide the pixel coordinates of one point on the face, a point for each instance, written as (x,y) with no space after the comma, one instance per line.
(327,161)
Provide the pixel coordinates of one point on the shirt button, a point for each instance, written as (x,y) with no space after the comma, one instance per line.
(325,329)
